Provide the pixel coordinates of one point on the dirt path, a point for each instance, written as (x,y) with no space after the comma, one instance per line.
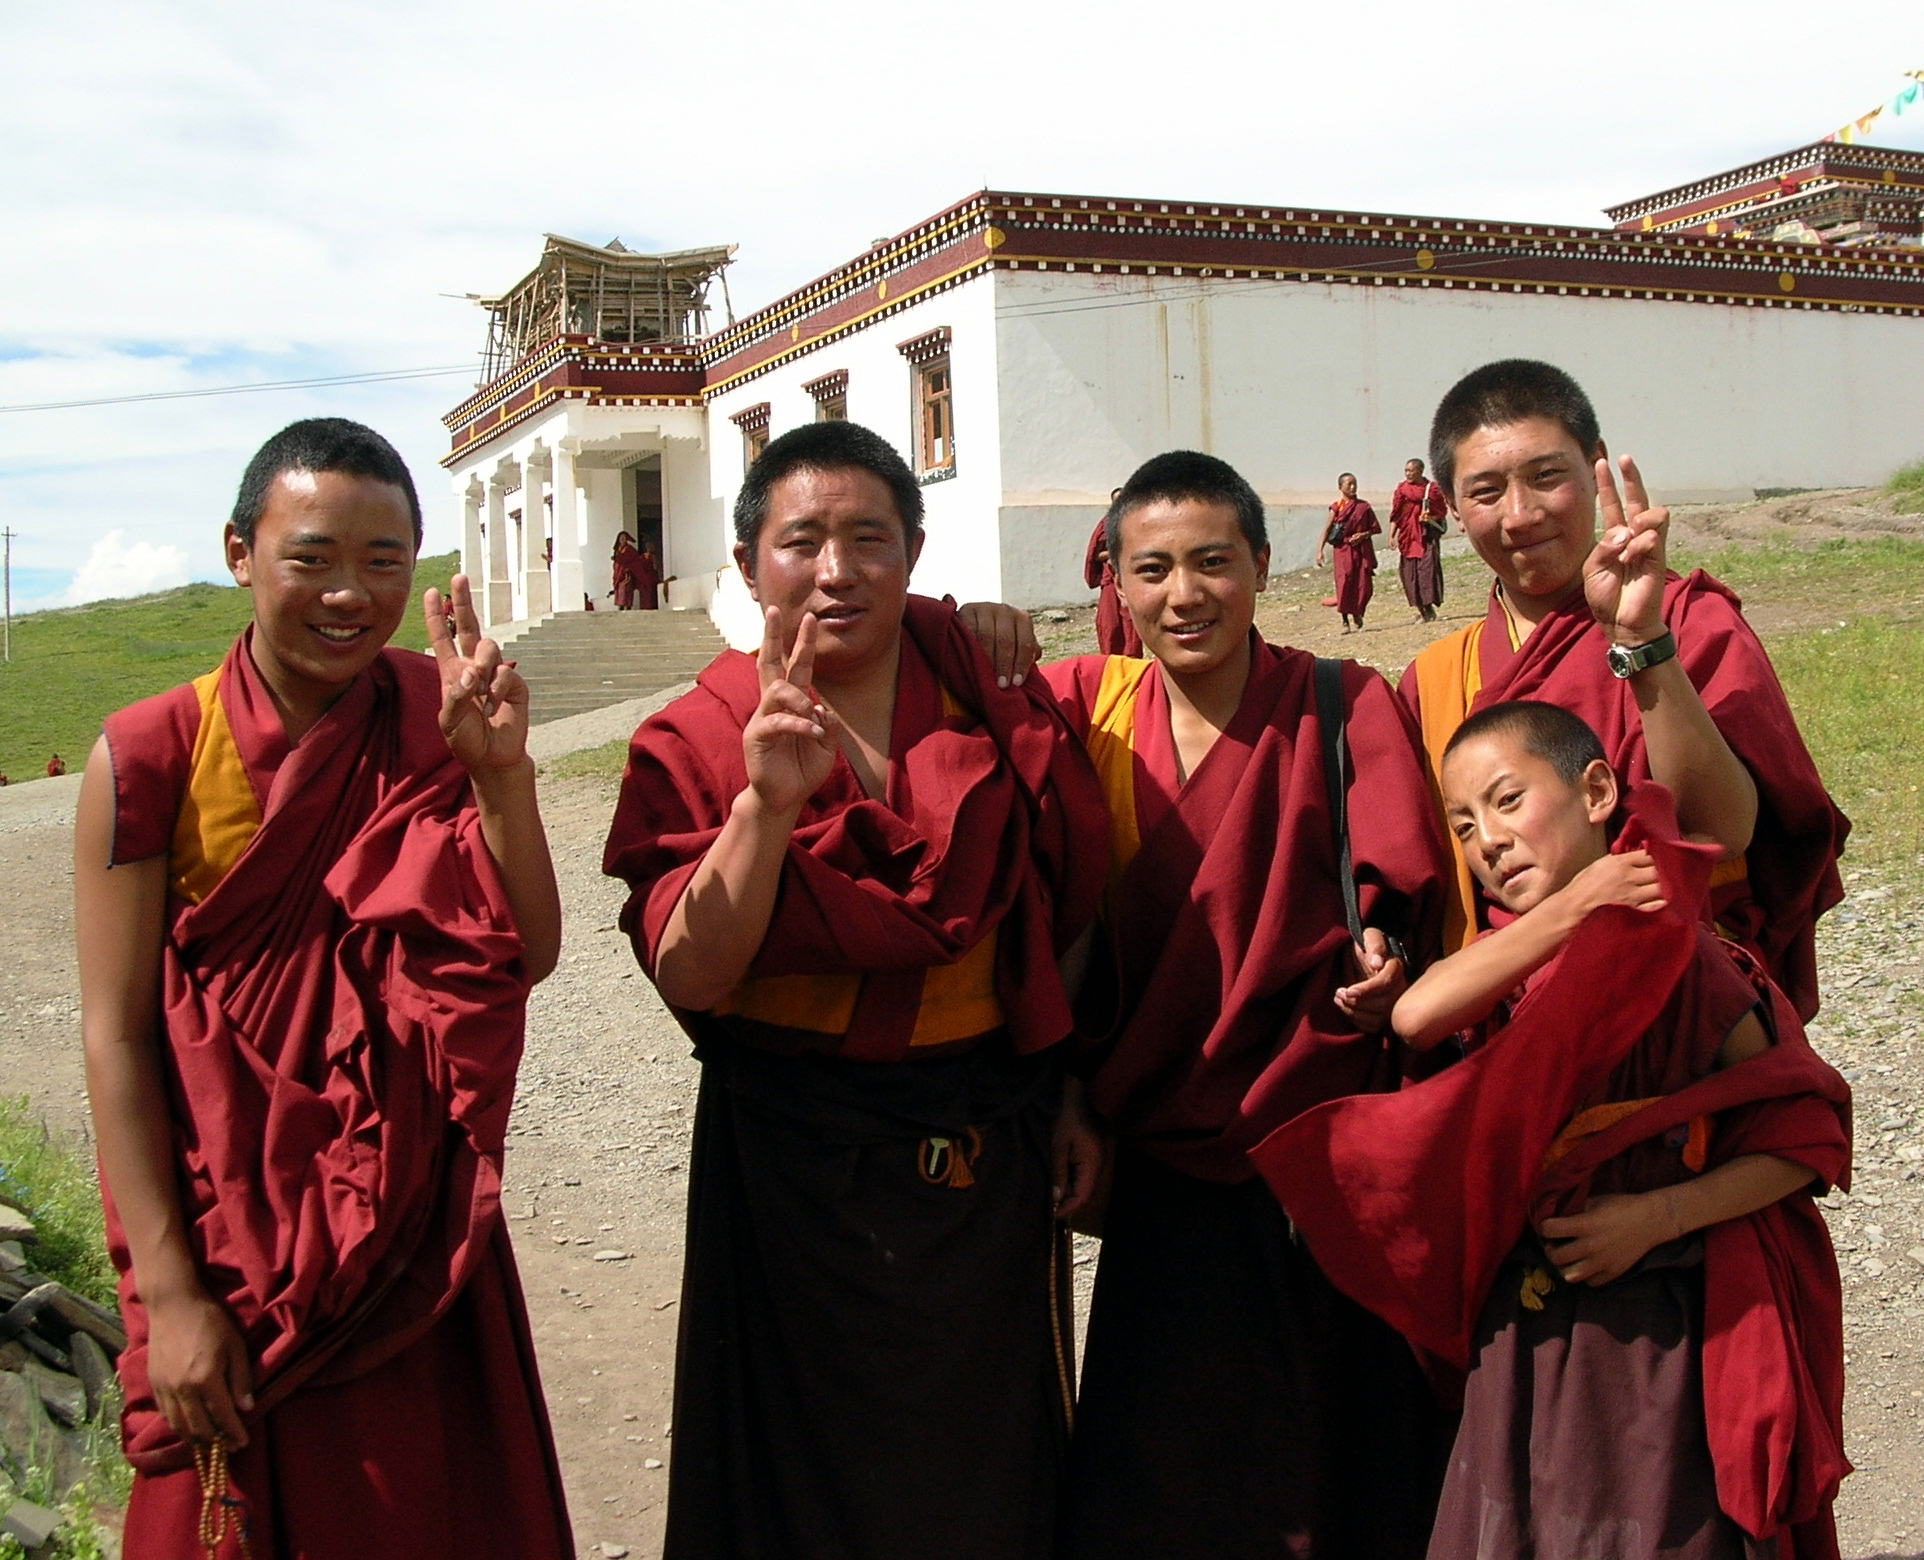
(598,1151)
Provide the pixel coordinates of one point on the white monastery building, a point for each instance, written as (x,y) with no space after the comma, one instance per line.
(1756,330)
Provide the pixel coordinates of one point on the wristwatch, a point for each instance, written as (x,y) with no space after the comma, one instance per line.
(1628,660)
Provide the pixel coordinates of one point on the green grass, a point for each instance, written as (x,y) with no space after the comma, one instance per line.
(74,666)
(1839,578)
(602,763)
(1906,488)
(50,1178)
(1854,691)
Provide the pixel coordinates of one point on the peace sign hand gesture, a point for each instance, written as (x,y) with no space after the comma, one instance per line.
(484,701)
(1623,578)
(789,743)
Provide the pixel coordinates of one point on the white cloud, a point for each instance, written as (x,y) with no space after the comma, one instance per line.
(116,568)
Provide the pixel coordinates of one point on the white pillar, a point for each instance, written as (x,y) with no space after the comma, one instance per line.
(569,583)
(472,557)
(498,602)
(537,600)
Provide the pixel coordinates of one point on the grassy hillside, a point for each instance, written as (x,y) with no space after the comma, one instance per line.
(73,666)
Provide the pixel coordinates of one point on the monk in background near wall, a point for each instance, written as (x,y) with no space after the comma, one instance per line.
(1234,1406)
(312,892)
(637,577)
(1115,632)
(854,863)
(1664,669)
(1419,516)
(1351,525)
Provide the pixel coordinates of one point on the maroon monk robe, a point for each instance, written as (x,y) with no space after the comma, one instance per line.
(342,1023)
(1412,1201)
(1115,628)
(1419,550)
(869,1360)
(1355,555)
(1770,901)
(1233,1405)
(637,580)
(992,821)
(1228,925)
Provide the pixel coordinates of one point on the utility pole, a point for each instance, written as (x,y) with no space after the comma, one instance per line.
(6,572)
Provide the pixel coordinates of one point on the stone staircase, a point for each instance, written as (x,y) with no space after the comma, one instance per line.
(580,661)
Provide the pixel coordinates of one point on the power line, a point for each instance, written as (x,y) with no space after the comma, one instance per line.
(380,377)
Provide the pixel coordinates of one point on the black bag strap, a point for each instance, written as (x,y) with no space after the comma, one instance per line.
(1329,716)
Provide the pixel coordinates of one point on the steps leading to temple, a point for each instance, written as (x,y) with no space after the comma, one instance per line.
(580,661)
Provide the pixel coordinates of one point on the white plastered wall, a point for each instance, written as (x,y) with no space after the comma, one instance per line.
(962,555)
(1295,382)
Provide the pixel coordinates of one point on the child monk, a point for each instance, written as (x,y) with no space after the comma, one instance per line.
(312,892)
(855,860)
(1233,1405)
(1618,1177)
(1351,525)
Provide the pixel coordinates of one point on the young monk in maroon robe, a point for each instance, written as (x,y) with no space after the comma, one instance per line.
(1351,525)
(1233,1404)
(855,862)
(1417,512)
(1617,1179)
(312,892)
(1115,633)
(1664,670)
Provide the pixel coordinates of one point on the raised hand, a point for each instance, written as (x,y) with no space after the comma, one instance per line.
(1623,578)
(484,701)
(789,743)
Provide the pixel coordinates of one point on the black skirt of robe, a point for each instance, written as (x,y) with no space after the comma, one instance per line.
(871,1366)
(1235,1406)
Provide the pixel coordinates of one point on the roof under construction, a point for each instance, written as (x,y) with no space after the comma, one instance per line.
(607,292)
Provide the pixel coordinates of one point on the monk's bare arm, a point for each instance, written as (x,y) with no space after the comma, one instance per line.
(197,1361)
(511,825)
(788,748)
(717,928)
(1716,797)
(1463,989)
(1612,1234)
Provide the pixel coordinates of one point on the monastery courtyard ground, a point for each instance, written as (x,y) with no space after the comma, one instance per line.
(597,1167)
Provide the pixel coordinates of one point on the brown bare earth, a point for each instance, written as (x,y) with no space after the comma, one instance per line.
(598,1155)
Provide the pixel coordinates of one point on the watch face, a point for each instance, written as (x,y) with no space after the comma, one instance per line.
(1619,661)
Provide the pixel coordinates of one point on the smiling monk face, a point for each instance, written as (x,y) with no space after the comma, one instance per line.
(331,567)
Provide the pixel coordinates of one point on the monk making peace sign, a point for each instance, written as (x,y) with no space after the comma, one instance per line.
(855,860)
(1664,669)
(308,926)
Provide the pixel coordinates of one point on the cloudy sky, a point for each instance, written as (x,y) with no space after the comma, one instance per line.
(217,193)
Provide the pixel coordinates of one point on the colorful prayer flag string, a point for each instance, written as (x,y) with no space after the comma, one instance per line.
(1909,98)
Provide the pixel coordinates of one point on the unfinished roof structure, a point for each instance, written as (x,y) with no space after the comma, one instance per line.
(606,292)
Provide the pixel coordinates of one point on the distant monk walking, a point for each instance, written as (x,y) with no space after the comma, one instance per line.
(1115,629)
(1419,518)
(1351,525)
(637,577)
